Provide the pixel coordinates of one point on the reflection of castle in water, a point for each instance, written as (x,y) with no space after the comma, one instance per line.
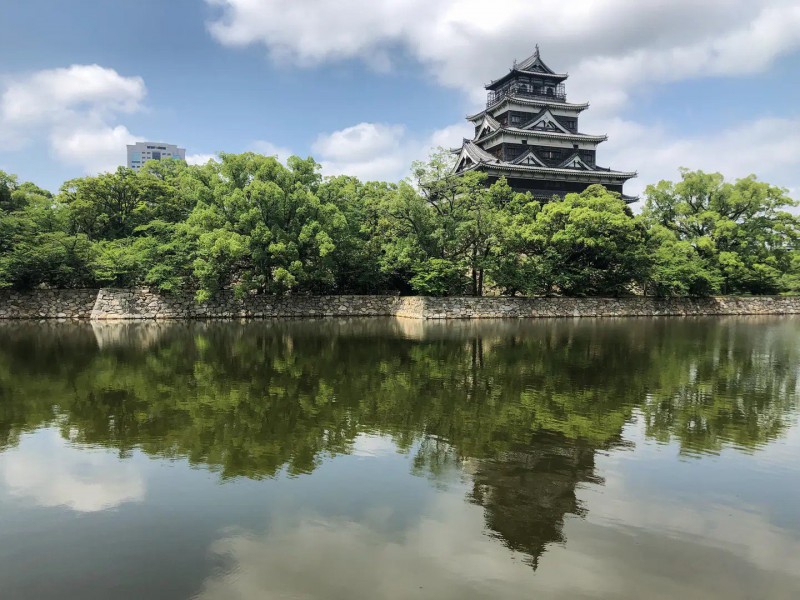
(527,494)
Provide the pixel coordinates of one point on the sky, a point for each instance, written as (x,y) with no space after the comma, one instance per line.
(367,86)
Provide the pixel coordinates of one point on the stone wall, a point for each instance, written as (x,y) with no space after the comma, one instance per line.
(142,304)
(47,304)
(483,308)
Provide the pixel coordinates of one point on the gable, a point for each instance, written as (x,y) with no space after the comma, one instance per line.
(464,162)
(546,121)
(529,158)
(487,125)
(471,155)
(575,162)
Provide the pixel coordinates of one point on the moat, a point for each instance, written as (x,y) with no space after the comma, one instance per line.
(387,458)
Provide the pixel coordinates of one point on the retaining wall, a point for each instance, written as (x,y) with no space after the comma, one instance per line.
(47,304)
(144,304)
(482,308)
(140,304)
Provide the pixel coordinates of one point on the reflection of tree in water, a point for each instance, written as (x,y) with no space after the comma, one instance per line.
(521,407)
(736,385)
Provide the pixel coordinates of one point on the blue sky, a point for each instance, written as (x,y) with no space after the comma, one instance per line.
(366,86)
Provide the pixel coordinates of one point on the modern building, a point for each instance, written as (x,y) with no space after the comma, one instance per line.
(140,152)
(529,134)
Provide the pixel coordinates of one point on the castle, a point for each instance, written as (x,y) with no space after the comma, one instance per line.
(529,134)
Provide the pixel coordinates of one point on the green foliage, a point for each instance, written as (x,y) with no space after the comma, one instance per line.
(443,229)
(590,244)
(743,236)
(106,207)
(438,277)
(54,258)
(358,241)
(677,269)
(791,279)
(263,228)
(585,244)
(8,184)
(254,225)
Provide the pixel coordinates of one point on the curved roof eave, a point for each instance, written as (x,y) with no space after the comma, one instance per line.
(530,102)
(523,168)
(559,77)
(529,133)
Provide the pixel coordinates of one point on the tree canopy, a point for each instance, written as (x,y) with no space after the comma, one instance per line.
(250,223)
(731,237)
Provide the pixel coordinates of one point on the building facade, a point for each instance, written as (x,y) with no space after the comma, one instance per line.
(140,152)
(529,134)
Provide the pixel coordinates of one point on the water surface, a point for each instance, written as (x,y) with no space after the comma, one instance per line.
(382,458)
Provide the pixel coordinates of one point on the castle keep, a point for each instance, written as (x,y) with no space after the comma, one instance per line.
(529,134)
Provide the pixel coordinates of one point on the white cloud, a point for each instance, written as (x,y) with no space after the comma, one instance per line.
(360,142)
(366,150)
(610,44)
(767,147)
(200,159)
(55,93)
(74,109)
(270,149)
(452,135)
(95,149)
(45,468)
(610,47)
(380,151)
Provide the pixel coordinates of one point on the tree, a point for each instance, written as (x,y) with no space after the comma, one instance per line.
(585,244)
(742,231)
(791,279)
(35,246)
(134,221)
(55,259)
(254,225)
(262,227)
(676,268)
(465,217)
(106,207)
(359,244)
(442,229)
(8,183)
(168,189)
(405,225)
(517,262)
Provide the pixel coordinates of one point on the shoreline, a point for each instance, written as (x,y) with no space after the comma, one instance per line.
(108,304)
